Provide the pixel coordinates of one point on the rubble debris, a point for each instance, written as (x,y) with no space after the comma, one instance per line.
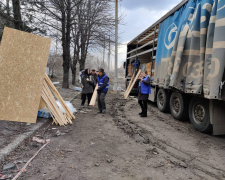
(42,141)
(147,178)
(9,166)
(58,133)
(97,165)
(8,176)
(146,141)
(109,160)
(78,89)
(182,164)
(28,162)
(155,151)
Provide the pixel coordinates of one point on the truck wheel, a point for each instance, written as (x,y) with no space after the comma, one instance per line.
(163,100)
(178,107)
(199,114)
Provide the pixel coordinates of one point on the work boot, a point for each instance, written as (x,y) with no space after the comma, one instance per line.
(143,115)
(99,112)
(103,111)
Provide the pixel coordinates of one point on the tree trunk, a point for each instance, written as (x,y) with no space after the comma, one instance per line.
(74,71)
(66,29)
(7,7)
(65,77)
(74,77)
(82,63)
(17,14)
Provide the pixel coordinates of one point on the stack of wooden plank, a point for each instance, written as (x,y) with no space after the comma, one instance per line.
(130,70)
(48,93)
(149,66)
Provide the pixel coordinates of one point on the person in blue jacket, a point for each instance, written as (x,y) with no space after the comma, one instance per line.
(144,89)
(136,63)
(103,86)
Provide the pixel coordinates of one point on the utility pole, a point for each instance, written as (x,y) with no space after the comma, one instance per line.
(104,54)
(116,48)
(109,56)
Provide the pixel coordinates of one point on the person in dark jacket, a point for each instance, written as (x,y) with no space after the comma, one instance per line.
(87,89)
(94,75)
(135,63)
(144,89)
(103,86)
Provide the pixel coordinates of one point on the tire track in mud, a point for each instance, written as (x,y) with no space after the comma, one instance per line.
(180,158)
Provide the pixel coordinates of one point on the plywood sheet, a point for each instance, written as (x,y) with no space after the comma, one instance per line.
(42,104)
(23,60)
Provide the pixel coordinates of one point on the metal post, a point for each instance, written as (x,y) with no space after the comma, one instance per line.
(153,51)
(109,55)
(104,54)
(135,68)
(116,48)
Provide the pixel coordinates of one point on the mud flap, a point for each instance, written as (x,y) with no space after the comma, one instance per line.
(217,114)
(152,96)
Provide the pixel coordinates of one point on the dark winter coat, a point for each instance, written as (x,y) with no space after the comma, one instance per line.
(87,85)
(95,78)
(143,97)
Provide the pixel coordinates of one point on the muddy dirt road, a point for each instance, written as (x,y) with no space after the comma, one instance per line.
(120,145)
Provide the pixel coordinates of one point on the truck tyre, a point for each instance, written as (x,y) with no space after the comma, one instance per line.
(199,114)
(163,100)
(178,106)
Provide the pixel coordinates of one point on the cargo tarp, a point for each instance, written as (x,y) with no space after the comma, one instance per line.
(191,49)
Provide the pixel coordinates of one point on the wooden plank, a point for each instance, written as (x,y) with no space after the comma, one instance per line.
(58,96)
(128,87)
(51,103)
(129,90)
(94,96)
(23,60)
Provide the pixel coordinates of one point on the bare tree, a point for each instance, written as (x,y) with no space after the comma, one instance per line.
(93,18)
(17,14)
(59,11)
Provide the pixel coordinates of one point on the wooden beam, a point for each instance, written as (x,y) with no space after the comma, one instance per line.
(129,90)
(94,96)
(129,85)
(58,96)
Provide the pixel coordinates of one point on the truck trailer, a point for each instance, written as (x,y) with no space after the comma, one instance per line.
(184,53)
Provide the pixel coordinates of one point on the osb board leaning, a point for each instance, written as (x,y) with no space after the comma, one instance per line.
(23,60)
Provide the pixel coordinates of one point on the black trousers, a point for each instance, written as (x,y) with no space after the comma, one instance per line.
(101,102)
(144,106)
(83,97)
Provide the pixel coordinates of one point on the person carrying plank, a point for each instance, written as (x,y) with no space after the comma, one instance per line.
(144,89)
(103,86)
(87,90)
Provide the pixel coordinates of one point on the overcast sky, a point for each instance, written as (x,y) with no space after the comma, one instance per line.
(138,16)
